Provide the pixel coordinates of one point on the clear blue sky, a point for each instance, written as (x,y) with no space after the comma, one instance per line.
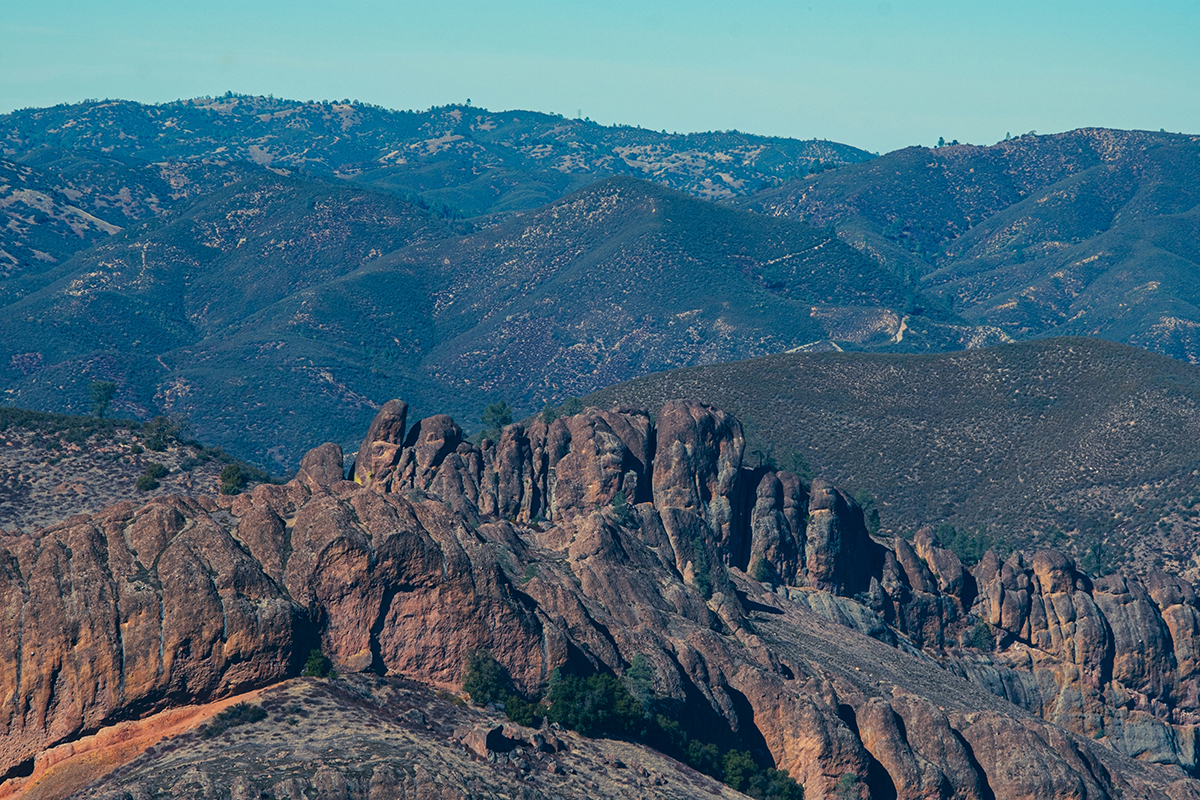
(878,74)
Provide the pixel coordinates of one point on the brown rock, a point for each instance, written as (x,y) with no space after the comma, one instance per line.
(947,765)
(697,465)
(591,472)
(773,539)
(374,455)
(946,567)
(322,466)
(838,553)
(430,441)
(133,609)
(484,741)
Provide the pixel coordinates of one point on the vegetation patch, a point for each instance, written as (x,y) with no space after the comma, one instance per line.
(240,714)
(148,480)
(318,665)
(601,705)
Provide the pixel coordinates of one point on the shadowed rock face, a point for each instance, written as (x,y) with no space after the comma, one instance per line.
(587,542)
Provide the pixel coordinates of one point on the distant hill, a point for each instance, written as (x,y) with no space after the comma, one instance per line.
(276,312)
(625,277)
(214,259)
(1080,442)
(275,270)
(1093,232)
(470,159)
(149,308)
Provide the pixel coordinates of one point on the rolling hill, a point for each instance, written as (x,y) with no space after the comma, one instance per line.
(275,311)
(219,258)
(466,158)
(1091,232)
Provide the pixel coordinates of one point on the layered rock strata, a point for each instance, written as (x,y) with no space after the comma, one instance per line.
(858,666)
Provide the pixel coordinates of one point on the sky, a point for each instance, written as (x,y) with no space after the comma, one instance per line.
(875,74)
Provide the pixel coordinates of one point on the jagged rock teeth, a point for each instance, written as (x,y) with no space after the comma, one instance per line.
(584,544)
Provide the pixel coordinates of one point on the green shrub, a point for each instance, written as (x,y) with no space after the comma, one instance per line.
(601,705)
(240,714)
(487,681)
(798,465)
(495,417)
(620,507)
(572,406)
(760,570)
(866,501)
(522,711)
(102,394)
(982,637)
(706,757)
(639,679)
(161,432)
(548,414)
(774,784)
(317,665)
(148,480)
(233,479)
(739,769)
(598,705)
(968,545)
(700,568)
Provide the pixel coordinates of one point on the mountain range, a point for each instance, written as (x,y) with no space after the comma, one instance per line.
(344,250)
(1091,232)
(848,517)
(195,257)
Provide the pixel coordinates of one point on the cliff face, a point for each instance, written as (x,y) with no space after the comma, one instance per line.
(858,666)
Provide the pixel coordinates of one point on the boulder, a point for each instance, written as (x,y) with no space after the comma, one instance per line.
(380,447)
(322,467)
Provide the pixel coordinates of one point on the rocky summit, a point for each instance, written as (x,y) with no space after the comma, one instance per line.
(607,543)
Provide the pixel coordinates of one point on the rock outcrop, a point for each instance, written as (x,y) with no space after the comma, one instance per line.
(858,666)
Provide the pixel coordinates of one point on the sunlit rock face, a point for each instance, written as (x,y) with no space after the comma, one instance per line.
(764,609)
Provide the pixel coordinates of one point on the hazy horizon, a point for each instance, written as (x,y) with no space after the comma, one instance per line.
(876,75)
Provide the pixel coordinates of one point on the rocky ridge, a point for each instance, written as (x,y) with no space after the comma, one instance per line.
(761,604)
(1085,445)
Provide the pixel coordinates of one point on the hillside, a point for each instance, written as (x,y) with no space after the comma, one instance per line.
(1080,442)
(54,466)
(254,264)
(624,276)
(141,307)
(1091,232)
(274,312)
(358,736)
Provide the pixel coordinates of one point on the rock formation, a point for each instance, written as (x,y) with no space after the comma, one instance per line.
(859,666)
